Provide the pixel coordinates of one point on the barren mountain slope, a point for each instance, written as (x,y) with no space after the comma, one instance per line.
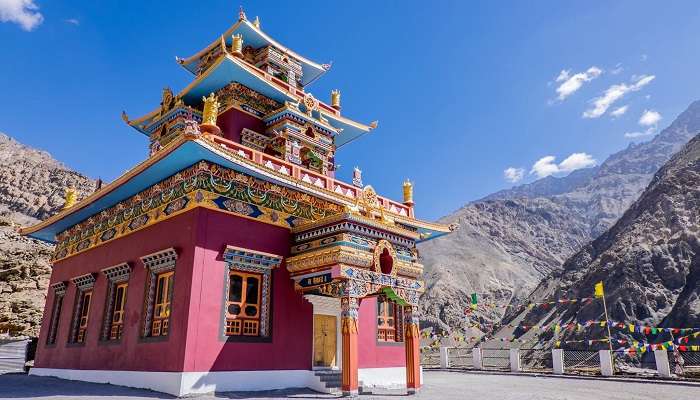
(510,240)
(32,187)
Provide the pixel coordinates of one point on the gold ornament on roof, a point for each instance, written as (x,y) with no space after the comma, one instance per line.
(241,14)
(71,195)
(167,101)
(209,115)
(237,45)
(335,99)
(256,22)
(407,192)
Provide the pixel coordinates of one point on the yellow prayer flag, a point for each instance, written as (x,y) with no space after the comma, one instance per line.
(631,328)
(599,292)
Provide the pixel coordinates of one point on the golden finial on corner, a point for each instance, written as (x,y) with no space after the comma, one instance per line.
(373,124)
(237,45)
(256,22)
(125,117)
(241,14)
(71,195)
(407,192)
(335,99)
(209,115)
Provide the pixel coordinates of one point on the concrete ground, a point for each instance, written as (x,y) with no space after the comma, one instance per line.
(438,385)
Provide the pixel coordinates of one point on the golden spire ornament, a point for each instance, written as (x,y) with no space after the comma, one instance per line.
(335,99)
(237,45)
(408,192)
(209,115)
(256,22)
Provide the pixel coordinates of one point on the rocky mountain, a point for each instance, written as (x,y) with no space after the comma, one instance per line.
(508,241)
(32,187)
(649,261)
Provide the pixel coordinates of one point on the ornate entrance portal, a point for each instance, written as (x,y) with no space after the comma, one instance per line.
(354,255)
(324,340)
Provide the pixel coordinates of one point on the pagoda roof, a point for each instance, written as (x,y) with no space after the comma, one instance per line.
(229,69)
(255,37)
(187,151)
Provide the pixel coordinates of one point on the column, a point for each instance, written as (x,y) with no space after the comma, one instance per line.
(606,363)
(514,355)
(663,367)
(349,316)
(477,359)
(558,361)
(445,357)
(412,340)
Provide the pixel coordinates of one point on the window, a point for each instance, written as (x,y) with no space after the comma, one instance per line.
(247,297)
(81,314)
(159,292)
(161,306)
(115,302)
(388,321)
(243,304)
(117,325)
(59,290)
(85,299)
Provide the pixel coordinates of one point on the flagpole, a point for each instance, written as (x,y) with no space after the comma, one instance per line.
(607,324)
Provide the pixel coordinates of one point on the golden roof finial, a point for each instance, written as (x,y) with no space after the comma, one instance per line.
(209,115)
(237,45)
(256,22)
(70,198)
(408,192)
(241,14)
(335,99)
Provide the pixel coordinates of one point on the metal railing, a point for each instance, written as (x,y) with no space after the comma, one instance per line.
(495,358)
(536,359)
(582,361)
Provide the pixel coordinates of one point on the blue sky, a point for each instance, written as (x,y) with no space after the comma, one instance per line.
(463,91)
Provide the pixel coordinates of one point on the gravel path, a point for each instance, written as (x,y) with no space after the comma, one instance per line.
(439,385)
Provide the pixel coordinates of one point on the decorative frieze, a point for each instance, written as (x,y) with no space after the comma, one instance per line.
(160,261)
(84,282)
(117,273)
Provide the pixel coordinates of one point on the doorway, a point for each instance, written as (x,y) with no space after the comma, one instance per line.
(325,340)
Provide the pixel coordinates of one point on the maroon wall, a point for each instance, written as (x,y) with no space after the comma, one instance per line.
(233,121)
(373,354)
(132,352)
(292,320)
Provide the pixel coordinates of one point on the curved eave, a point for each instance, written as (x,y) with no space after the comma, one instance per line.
(178,155)
(229,69)
(256,38)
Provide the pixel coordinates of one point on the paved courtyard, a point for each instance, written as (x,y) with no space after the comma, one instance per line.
(438,385)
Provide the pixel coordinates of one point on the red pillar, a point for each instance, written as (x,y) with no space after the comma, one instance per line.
(350,312)
(412,339)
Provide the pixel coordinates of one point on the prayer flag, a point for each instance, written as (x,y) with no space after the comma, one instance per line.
(599,292)
(474,301)
(631,328)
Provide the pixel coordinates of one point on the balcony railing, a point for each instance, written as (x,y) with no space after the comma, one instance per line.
(305,175)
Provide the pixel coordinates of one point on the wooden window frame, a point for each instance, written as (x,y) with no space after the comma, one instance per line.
(242,324)
(156,325)
(248,263)
(117,277)
(162,303)
(59,293)
(388,333)
(81,317)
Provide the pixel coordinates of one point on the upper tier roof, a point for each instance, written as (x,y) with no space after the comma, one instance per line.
(232,69)
(187,151)
(255,37)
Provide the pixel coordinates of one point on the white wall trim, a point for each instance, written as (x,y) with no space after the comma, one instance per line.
(384,378)
(185,383)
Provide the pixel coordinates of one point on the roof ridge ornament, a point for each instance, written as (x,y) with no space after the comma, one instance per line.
(241,14)
(256,22)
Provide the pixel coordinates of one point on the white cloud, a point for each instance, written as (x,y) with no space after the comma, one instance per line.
(73,21)
(513,174)
(618,69)
(576,161)
(633,135)
(619,111)
(546,166)
(649,118)
(615,93)
(571,83)
(22,12)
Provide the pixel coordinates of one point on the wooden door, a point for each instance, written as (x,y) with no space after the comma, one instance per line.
(324,340)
